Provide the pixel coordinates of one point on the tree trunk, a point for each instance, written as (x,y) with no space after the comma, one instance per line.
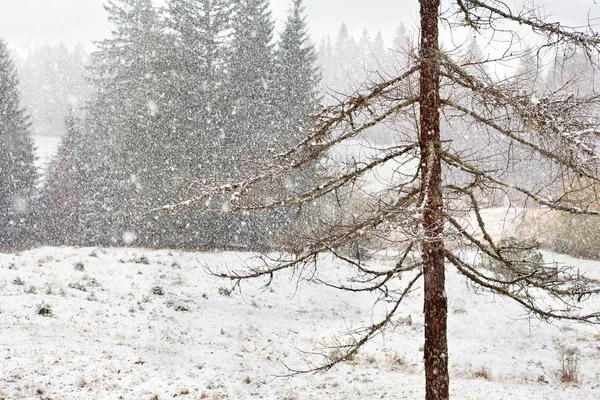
(435,303)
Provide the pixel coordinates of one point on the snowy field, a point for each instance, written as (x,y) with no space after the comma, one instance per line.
(141,324)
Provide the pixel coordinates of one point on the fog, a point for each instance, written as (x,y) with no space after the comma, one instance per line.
(30,23)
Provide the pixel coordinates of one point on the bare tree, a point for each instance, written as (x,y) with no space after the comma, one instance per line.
(422,210)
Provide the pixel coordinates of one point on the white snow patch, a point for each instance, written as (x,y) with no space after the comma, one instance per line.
(135,323)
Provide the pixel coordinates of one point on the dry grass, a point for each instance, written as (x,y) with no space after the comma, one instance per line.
(568,357)
(482,373)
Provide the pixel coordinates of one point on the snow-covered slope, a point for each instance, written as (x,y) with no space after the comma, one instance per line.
(140,324)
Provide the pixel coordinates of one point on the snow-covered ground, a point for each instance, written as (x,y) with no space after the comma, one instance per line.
(142,324)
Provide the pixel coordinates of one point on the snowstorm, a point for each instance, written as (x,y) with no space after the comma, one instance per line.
(299,199)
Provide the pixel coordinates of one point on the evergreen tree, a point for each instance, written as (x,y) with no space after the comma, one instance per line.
(400,42)
(251,97)
(200,29)
(251,86)
(344,59)
(571,68)
(131,120)
(60,200)
(52,81)
(297,96)
(402,47)
(325,62)
(382,58)
(17,169)
(365,51)
(297,74)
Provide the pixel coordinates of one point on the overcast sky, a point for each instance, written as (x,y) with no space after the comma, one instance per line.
(27,23)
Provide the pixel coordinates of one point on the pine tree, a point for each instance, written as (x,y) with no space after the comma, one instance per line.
(297,74)
(60,200)
(400,42)
(297,96)
(365,51)
(403,47)
(251,85)
(131,121)
(52,82)
(571,67)
(17,170)
(344,59)
(200,29)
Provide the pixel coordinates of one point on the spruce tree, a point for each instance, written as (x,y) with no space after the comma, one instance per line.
(60,200)
(131,120)
(251,86)
(250,123)
(297,74)
(297,95)
(344,58)
(17,170)
(199,32)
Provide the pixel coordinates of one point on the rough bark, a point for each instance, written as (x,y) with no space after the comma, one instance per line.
(435,303)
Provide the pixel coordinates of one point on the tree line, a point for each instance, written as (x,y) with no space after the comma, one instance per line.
(183,95)
(194,93)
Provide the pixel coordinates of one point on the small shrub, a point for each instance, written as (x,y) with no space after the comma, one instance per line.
(568,358)
(482,373)
(574,234)
(140,260)
(224,292)
(77,286)
(92,297)
(181,308)
(370,359)
(45,310)
(12,266)
(157,290)
(31,290)
(247,380)
(91,282)
(94,253)
(18,281)
(396,359)
(79,266)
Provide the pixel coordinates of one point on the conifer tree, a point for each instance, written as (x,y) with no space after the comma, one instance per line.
(200,30)
(60,199)
(251,85)
(344,59)
(130,117)
(297,74)
(17,170)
